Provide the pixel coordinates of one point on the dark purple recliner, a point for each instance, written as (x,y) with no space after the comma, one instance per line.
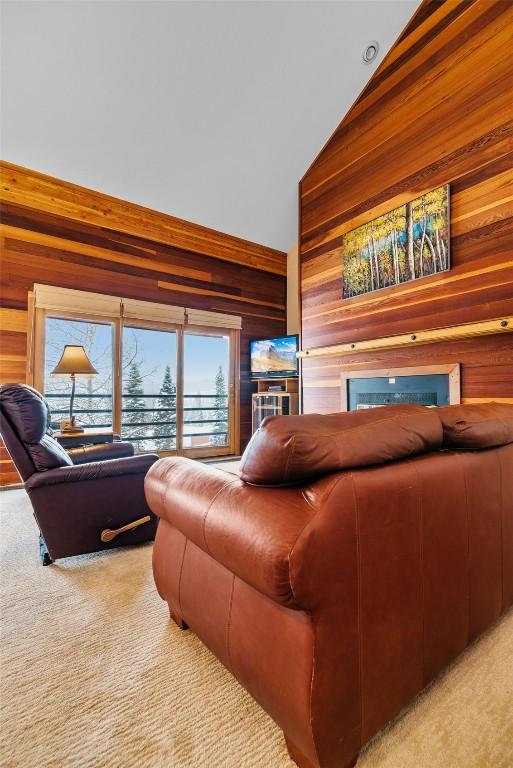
(79,508)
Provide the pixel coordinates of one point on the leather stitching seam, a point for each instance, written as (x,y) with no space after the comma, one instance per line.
(291,582)
(164,486)
(289,458)
(359,603)
(467,509)
(311,689)
(229,623)
(303,529)
(501,507)
(180,579)
(420,509)
(204,521)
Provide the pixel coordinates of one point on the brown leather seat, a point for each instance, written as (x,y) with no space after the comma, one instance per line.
(335,600)
(73,504)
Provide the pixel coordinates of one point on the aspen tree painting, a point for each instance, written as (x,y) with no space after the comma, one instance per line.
(409,242)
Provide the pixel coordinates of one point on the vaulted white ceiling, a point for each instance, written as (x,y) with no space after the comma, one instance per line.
(210,111)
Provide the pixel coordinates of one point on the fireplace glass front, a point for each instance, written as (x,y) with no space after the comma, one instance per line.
(421,389)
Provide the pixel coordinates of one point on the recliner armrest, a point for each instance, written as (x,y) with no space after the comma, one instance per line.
(96,470)
(250,530)
(101,452)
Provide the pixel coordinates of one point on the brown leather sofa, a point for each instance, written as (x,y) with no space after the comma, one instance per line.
(80,499)
(355,557)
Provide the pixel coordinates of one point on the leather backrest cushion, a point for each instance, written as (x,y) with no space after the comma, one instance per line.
(48,454)
(477,426)
(28,414)
(26,410)
(292,449)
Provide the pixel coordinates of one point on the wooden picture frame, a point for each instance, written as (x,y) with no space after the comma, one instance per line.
(409,242)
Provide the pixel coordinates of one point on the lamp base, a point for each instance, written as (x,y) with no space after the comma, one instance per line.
(68,425)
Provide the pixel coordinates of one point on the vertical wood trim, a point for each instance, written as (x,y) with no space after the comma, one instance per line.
(31,320)
(179,388)
(38,354)
(117,375)
(344,378)
(455,385)
(300,289)
(234,403)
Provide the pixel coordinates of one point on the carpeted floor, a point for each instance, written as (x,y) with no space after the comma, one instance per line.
(94,674)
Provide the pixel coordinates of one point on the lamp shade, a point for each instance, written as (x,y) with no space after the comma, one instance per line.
(74,360)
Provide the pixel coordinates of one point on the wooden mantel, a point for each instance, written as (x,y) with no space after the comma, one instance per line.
(450,333)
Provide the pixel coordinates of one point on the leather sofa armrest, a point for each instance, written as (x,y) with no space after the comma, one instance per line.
(251,530)
(101,452)
(97,470)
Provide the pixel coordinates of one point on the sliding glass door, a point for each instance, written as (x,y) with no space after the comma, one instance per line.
(148,391)
(206,380)
(166,388)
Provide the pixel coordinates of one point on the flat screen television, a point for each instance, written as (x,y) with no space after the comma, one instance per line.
(273,357)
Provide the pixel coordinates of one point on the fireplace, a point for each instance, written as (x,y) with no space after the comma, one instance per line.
(423,385)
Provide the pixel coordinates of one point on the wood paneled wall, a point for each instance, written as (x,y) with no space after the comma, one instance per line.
(57,233)
(438,110)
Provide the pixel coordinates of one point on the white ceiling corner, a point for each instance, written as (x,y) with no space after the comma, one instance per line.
(208,110)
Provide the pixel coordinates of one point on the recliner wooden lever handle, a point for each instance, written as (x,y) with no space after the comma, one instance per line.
(108,533)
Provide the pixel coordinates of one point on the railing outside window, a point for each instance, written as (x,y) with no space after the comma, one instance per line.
(150,427)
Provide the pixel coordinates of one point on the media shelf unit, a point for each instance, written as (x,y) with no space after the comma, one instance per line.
(272,402)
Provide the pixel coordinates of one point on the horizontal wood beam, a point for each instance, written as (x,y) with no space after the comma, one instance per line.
(450,333)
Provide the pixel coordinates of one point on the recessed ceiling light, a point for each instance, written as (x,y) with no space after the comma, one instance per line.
(370,51)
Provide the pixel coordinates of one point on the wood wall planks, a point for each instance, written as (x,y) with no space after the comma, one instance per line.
(438,110)
(44,194)
(59,234)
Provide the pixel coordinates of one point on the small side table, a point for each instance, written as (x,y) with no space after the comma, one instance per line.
(87,437)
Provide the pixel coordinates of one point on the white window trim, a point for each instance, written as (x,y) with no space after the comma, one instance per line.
(55,299)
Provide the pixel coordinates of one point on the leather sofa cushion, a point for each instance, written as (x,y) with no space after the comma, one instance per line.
(477,426)
(292,449)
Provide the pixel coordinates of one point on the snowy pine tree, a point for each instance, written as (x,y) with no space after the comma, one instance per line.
(164,415)
(133,401)
(221,410)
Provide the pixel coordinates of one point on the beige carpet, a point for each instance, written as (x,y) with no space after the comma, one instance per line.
(94,674)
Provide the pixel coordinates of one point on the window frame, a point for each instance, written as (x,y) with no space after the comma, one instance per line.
(156,325)
(36,365)
(232,446)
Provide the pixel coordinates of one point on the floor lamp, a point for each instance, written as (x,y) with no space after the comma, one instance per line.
(74,362)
